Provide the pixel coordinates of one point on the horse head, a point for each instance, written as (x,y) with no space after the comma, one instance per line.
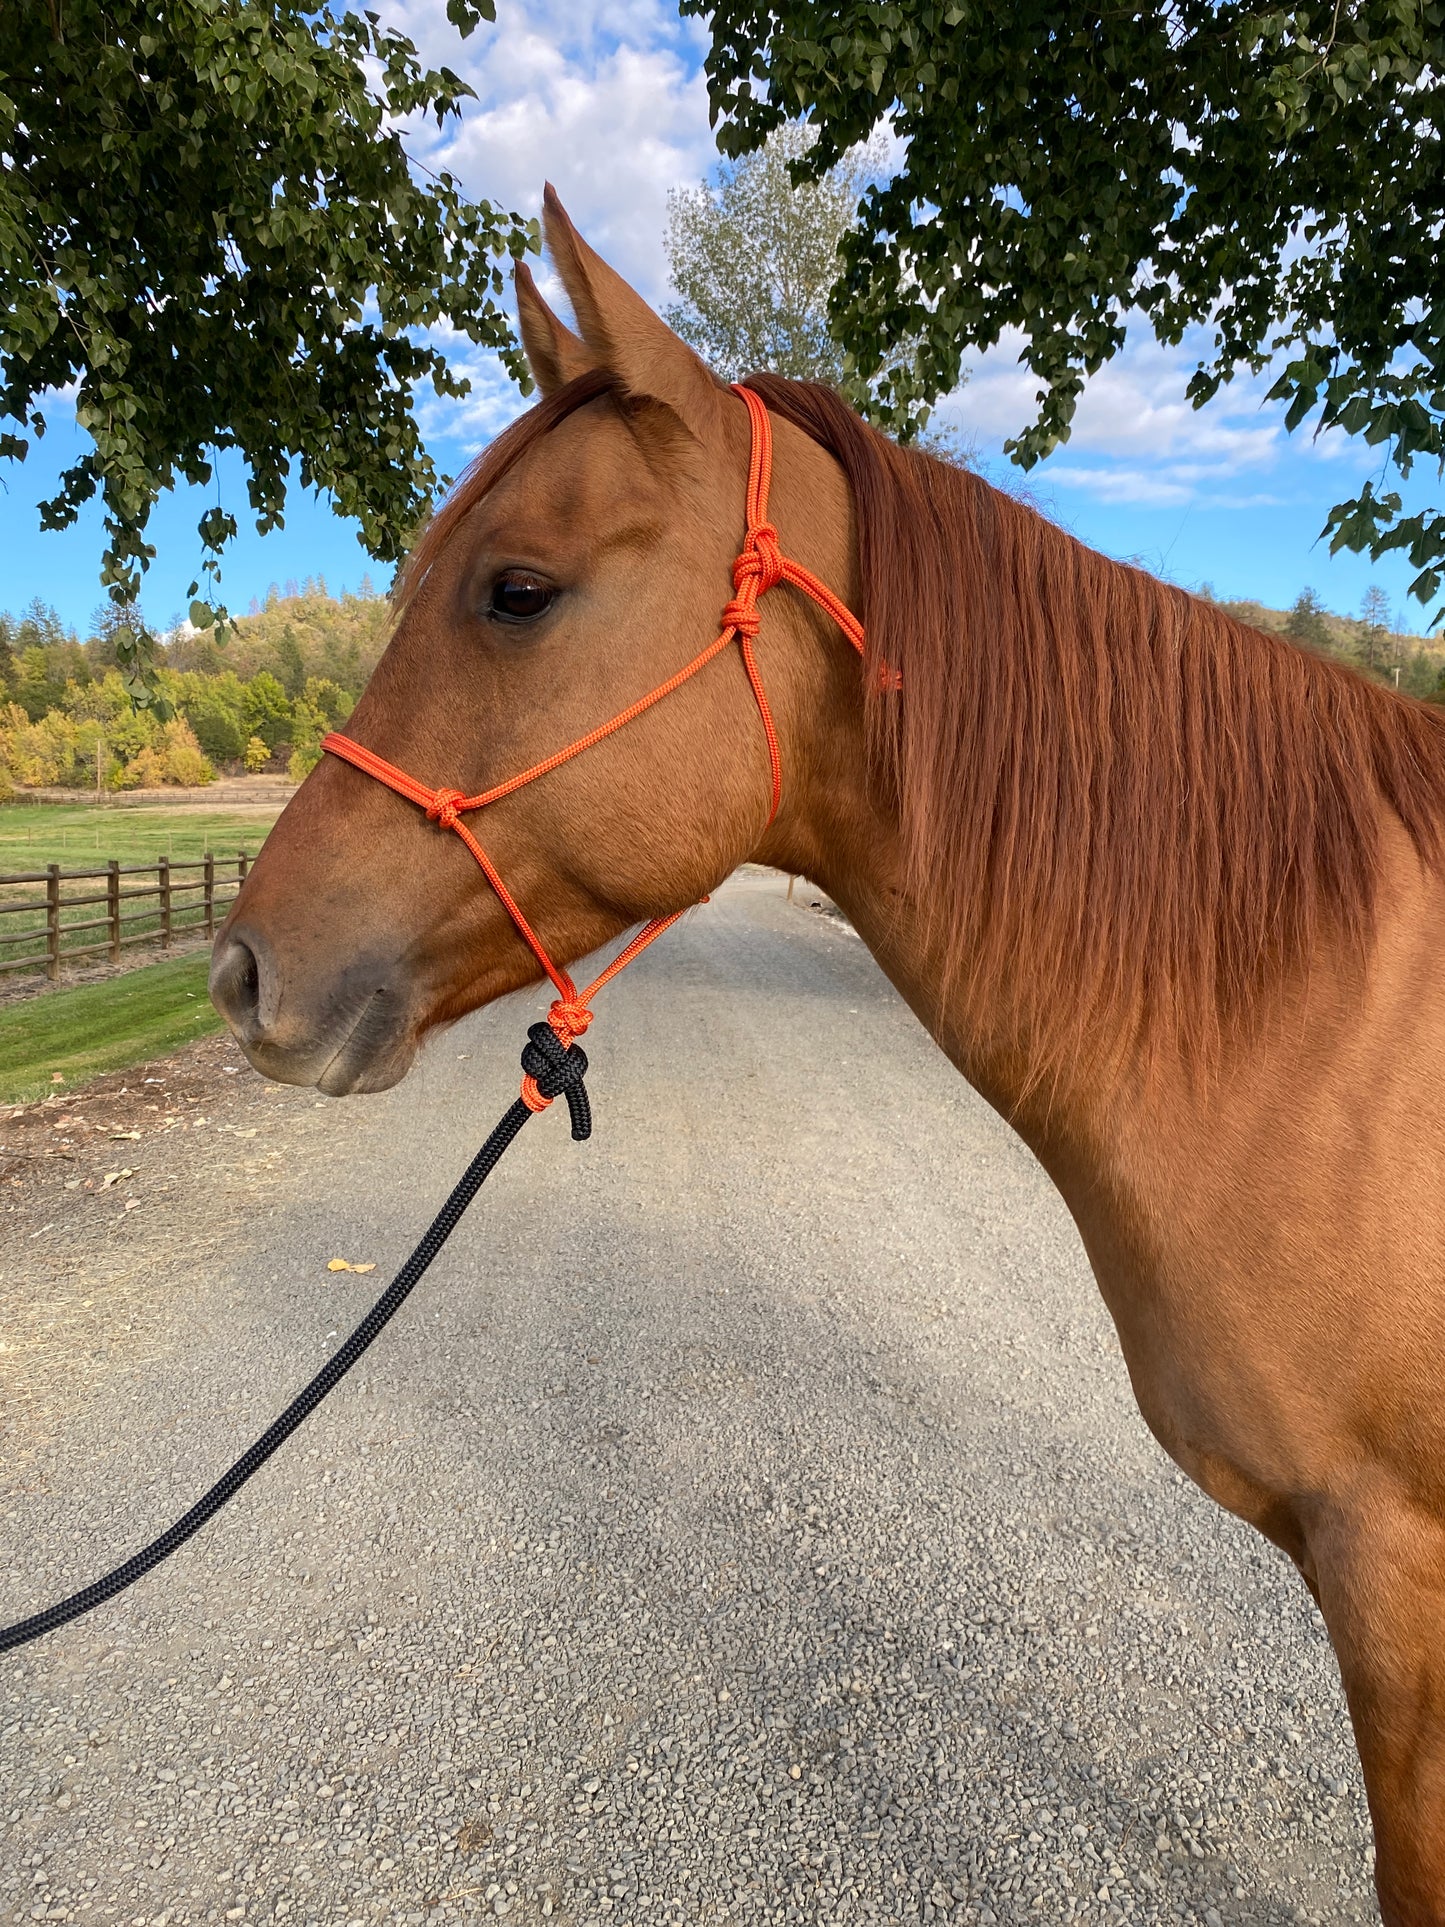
(580,563)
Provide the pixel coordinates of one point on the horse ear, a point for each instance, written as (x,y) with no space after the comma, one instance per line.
(623,333)
(554,354)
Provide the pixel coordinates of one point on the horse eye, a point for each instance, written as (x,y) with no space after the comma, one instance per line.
(520,597)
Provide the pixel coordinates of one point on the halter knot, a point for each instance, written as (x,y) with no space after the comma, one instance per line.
(761,560)
(443,808)
(554,1069)
(568,1019)
(742,617)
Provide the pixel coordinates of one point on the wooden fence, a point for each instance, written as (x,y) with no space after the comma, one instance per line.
(41,931)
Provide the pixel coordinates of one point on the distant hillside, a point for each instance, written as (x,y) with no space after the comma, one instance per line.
(261,699)
(295,637)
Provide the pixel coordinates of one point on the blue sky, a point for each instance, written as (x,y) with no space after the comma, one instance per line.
(608,102)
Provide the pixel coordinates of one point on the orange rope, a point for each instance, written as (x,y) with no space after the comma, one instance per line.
(760,566)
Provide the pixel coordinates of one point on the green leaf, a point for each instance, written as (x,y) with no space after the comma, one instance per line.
(1271,177)
(202,207)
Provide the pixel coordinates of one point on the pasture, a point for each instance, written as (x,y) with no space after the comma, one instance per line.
(78,836)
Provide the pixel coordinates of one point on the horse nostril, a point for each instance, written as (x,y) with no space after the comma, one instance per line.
(236,986)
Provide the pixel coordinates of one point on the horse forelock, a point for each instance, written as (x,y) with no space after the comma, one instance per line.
(1126,812)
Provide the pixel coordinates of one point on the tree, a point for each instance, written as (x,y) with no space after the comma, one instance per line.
(289,663)
(266,712)
(754,261)
(1374,624)
(113,625)
(217,723)
(209,225)
(1306,622)
(1271,175)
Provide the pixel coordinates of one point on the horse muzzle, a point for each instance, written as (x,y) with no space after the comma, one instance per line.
(355,1032)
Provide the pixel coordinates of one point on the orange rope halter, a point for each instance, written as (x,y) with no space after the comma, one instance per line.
(760,566)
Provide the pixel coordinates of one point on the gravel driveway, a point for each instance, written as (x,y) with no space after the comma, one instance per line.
(747,1521)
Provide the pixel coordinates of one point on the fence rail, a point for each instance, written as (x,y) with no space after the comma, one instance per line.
(40,932)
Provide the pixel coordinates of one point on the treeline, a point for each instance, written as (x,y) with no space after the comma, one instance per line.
(293,667)
(262,700)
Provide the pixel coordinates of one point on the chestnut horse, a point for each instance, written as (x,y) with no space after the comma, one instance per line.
(1166,890)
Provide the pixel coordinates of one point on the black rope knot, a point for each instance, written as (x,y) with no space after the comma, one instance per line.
(558,1071)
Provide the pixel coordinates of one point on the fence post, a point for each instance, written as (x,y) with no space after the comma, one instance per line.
(210,894)
(52,922)
(112,907)
(164,869)
(243,864)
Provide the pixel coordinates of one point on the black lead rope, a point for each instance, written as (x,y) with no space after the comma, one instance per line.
(559,1073)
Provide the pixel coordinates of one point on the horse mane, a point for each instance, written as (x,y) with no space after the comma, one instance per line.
(1115,798)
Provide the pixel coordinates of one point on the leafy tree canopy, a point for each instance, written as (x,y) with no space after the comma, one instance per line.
(209,230)
(1273,174)
(754,261)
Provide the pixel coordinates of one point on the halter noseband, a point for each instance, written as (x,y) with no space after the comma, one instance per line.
(759,567)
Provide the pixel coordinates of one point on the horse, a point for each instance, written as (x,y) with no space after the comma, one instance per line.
(1166,889)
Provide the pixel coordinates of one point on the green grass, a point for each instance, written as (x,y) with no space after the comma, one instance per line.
(105,1026)
(84,836)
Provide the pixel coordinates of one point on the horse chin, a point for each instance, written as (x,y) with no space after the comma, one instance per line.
(354,1071)
(362,1064)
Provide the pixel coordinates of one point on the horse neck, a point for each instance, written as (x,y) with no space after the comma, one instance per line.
(1127,828)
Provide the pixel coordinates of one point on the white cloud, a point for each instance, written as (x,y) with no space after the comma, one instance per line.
(1141,441)
(474,419)
(608,102)
(1170,485)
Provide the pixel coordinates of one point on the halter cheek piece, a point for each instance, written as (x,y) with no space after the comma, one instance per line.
(761,566)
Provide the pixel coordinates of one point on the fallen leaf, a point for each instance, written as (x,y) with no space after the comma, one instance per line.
(56,1078)
(116,1136)
(337,1264)
(370,1267)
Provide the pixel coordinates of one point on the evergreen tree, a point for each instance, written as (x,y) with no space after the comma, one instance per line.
(1307,621)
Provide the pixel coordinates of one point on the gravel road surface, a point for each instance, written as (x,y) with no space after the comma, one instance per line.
(747,1521)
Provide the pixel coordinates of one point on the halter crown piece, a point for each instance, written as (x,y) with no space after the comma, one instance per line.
(760,566)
